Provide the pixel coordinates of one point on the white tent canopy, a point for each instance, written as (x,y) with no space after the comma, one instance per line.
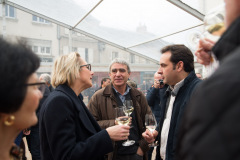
(137,26)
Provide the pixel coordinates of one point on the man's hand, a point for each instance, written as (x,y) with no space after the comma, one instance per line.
(148,136)
(156,83)
(203,56)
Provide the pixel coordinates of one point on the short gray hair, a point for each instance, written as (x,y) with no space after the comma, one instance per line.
(46,77)
(120,61)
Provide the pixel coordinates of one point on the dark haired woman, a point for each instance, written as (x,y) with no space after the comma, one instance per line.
(20,95)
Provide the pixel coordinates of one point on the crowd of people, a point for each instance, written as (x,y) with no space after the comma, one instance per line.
(197,119)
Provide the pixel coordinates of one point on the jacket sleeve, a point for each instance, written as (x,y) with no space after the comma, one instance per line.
(95,109)
(151,96)
(60,123)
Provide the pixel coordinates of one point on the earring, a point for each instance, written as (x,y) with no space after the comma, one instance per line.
(10,120)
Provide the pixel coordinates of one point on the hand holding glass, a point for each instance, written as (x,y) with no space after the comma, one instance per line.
(151,124)
(123,119)
(213,29)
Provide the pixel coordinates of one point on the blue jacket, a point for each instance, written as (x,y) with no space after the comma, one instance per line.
(154,98)
(182,98)
(68,130)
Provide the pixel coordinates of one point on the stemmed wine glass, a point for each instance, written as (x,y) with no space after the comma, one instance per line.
(123,119)
(128,108)
(213,29)
(151,124)
(128,105)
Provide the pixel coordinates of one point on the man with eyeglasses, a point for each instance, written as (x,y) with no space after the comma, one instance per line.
(103,103)
(33,138)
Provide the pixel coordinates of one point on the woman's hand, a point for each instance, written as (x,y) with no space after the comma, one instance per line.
(118,132)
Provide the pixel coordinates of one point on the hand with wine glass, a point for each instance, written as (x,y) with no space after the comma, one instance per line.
(123,119)
(214,28)
(151,125)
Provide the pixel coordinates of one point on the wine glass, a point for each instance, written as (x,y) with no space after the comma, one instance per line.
(128,106)
(213,29)
(123,119)
(151,124)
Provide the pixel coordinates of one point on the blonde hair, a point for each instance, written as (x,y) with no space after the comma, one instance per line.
(66,69)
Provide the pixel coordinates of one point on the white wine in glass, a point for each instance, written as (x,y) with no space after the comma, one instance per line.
(128,107)
(151,124)
(213,29)
(123,119)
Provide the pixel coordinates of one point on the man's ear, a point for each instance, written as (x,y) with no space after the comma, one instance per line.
(180,65)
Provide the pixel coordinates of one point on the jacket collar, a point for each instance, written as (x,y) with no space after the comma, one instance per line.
(229,40)
(108,91)
(191,76)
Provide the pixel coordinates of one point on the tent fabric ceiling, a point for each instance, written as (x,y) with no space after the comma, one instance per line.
(135,25)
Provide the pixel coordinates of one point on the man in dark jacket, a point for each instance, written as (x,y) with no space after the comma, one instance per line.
(103,103)
(154,98)
(177,70)
(211,124)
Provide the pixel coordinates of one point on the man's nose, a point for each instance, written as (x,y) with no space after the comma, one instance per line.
(159,71)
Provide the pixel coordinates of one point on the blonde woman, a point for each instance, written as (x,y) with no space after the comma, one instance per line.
(20,95)
(67,128)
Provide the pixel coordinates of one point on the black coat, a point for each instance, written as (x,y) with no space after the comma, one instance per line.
(68,131)
(211,129)
(183,96)
(154,98)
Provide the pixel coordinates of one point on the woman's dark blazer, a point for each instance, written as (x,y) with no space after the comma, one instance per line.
(68,131)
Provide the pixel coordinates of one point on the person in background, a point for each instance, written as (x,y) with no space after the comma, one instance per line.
(33,139)
(20,95)
(211,124)
(47,79)
(177,70)
(67,128)
(104,102)
(104,82)
(144,87)
(154,98)
(132,83)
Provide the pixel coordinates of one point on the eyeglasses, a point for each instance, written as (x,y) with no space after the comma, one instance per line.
(41,86)
(87,65)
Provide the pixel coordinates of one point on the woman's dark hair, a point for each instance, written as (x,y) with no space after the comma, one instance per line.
(180,53)
(17,63)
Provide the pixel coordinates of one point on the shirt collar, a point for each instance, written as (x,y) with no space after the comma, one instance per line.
(125,93)
(176,88)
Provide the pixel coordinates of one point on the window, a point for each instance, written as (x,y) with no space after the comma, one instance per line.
(46,59)
(114,55)
(34,18)
(132,58)
(9,11)
(35,49)
(39,20)
(86,55)
(48,50)
(42,49)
